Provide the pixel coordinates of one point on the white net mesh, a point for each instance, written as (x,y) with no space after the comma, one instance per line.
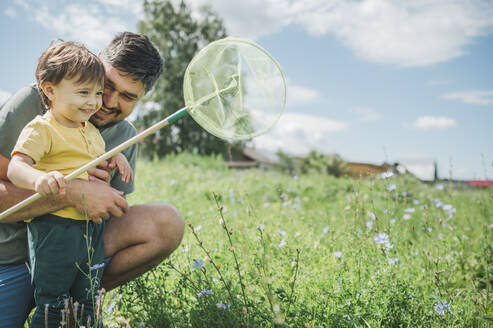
(234,89)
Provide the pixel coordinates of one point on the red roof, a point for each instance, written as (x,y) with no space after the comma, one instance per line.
(480,183)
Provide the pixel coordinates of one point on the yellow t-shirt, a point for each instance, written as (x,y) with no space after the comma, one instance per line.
(54,147)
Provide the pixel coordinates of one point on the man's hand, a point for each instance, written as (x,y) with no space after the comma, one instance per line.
(98,200)
(100,173)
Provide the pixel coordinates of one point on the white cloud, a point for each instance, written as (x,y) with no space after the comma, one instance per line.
(397,32)
(434,123)
(250,19)
(10,12)
(299,95)
(366,114)
(297,134)
(129,6)
(87,24)
(22,3)
(473,97)
(92,23)
(4,95)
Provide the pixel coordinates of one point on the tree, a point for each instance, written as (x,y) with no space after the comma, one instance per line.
(178,36)
(286,163)
(328,164)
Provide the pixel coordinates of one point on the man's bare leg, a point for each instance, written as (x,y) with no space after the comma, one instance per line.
(139,240)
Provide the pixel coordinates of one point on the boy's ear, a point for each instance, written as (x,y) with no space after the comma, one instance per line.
(48,90)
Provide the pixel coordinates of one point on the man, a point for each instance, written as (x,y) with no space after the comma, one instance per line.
(138,237)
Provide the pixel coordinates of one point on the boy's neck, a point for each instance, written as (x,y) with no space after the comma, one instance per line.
(64,121)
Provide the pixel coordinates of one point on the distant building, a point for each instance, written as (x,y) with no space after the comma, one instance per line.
(250,158)
(480,183)
(424,170)
(357,170)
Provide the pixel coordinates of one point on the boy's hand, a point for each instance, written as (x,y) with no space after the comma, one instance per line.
(120,161)
(50,183)
(101,173)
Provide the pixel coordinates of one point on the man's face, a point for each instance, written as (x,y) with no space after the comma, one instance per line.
(121,94)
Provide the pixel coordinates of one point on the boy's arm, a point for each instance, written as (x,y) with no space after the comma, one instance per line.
(23,175)
(103,199)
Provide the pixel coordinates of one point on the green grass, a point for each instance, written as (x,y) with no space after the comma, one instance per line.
(285,234)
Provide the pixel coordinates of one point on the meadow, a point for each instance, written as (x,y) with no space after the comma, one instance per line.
(267,249)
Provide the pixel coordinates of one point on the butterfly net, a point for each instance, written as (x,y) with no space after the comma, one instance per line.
(234,89)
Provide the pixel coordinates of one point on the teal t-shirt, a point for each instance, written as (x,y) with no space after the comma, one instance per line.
(15,113)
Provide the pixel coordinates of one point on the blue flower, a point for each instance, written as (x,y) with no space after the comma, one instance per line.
(338,254)
(393,260)
(391,187)
(441,307)
(98,266)
(382,238)
(197,264)
(204,292)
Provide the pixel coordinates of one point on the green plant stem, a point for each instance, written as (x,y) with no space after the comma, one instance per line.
(294,279)
(215,266)
(225,227)
(183,275)
(264,271)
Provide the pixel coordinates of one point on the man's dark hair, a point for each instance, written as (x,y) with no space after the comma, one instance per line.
(135,55)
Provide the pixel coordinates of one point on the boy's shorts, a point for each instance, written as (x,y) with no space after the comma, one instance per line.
(67,260)
(16,295)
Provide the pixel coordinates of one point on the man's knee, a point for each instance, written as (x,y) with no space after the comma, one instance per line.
(170,226)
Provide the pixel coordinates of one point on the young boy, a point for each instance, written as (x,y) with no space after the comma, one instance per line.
(66,251)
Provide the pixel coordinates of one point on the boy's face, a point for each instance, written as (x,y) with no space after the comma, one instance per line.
(121,94)
(73,102)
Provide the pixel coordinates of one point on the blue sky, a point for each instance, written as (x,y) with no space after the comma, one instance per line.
(371,80)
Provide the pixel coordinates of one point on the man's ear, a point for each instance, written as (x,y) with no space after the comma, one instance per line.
(48,90)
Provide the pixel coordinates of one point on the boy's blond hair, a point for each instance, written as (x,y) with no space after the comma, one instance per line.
(67,60)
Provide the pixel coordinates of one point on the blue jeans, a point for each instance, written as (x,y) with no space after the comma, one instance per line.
(16,295)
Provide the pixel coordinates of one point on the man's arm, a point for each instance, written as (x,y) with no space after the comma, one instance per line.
(103,199)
